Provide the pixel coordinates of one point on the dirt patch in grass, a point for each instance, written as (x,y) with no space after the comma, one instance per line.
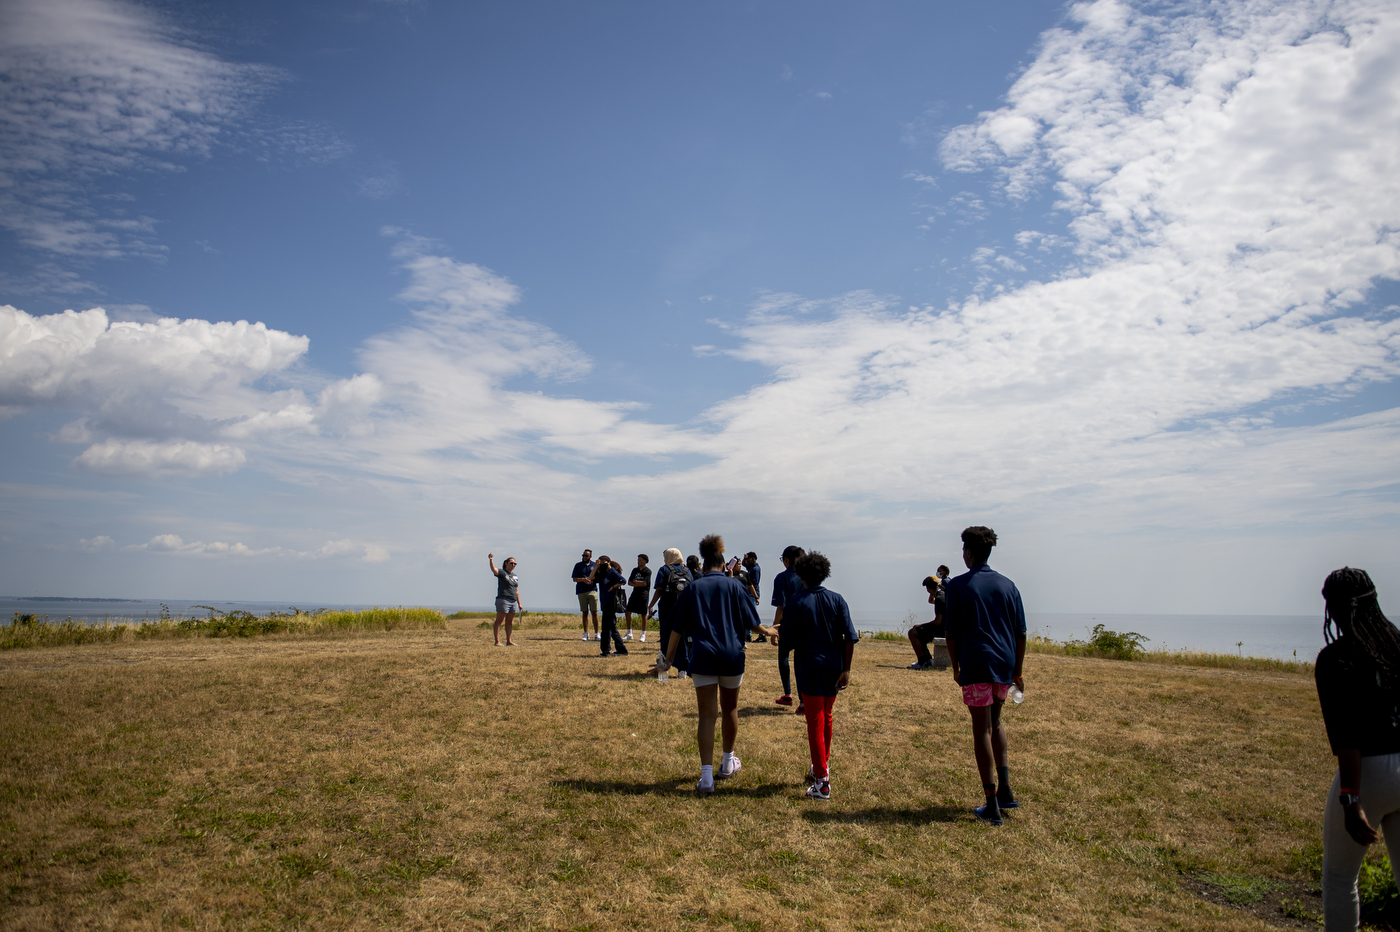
(426,779)
(1287,904)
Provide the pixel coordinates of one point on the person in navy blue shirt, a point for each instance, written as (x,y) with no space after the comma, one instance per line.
(752,575)
(611,583)
(587,591)
(714,616)
(640,582)
(785,585)
(817,627)
(986,636)
(665,599)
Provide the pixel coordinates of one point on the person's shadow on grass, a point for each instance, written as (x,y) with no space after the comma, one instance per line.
(670,787)
(903,815)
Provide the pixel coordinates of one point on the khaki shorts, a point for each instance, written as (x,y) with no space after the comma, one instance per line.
(724,682)
(588,601)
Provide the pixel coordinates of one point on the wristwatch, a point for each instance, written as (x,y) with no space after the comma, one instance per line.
(1349,799)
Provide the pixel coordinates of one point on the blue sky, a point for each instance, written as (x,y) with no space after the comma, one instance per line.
(1116,280)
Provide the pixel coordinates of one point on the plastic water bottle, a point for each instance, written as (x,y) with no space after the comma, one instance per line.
(1015,695)
(665,673)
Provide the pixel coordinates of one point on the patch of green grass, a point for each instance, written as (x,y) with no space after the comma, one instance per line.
(1240,889)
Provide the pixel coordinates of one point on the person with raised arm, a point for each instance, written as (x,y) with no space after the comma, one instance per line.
(714,616)
(1358,687)
(986,637)
(507,597)
(607,575)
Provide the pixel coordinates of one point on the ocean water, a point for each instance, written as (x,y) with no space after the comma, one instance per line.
(1282,637)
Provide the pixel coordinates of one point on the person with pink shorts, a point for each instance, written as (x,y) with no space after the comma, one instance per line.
(986,635)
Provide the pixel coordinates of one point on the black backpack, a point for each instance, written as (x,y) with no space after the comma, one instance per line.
(677,580)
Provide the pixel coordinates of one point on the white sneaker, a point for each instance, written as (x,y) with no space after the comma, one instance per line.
(726,771)
(585,635)
(703,787)
(627,636)
(644,637)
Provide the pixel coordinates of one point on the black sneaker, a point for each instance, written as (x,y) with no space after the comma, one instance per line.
(990,813)
(1005,800)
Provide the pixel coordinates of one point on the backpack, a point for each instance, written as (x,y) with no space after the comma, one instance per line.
(677,580)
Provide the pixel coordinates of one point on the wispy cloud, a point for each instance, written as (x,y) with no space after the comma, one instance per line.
(97,87)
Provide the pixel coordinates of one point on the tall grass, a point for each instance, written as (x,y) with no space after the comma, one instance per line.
(31,631)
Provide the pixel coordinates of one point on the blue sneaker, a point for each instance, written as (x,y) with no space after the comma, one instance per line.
(990,813)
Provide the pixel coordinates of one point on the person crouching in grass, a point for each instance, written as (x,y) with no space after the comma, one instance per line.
(817,627)
(715,615)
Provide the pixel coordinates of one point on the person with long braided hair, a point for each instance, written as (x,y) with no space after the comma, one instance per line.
(1358,687)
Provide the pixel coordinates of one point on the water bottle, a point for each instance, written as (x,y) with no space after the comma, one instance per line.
(665,671)
(1015,695)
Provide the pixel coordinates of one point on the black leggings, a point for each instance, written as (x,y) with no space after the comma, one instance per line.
(610,629)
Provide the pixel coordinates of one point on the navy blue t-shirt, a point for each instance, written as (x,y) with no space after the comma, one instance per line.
(755,574)
(583,568)
(816,627)
(610,579)
(985,616)
(786,585)
(715,614)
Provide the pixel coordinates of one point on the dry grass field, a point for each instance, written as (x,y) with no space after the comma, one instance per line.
(426,780)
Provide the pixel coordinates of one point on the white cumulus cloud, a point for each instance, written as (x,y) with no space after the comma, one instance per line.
(144,458)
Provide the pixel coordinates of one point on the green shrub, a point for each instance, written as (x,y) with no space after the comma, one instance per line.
(1380,900)
(1111,644)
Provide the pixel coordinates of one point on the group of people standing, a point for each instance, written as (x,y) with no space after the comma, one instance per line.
(708,609)
(602,589)
(708,613)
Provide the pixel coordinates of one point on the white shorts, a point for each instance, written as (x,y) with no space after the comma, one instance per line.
(725,682)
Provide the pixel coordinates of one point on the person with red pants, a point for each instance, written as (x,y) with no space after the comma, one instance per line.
(817,628)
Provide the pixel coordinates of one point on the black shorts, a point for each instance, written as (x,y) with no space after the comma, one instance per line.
(637,602)
(927,632)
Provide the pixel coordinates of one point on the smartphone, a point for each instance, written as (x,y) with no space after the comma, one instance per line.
(732,565)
